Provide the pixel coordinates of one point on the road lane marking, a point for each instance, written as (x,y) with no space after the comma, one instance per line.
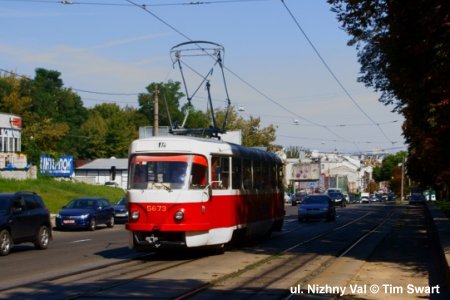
(80,241)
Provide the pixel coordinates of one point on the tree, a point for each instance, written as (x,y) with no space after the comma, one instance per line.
(252,134)
(108,131)
(404,52)
(93,136)
(169,96)
(12,100)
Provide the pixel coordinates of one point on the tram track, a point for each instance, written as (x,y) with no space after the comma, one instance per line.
(92,283)
(118,274)
(285,264)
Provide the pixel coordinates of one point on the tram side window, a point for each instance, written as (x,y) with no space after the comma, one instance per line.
(257,175)
(198,176)
(220,172)
(248,178)
(267,174)
(236,178)
(280,174)
(274,177)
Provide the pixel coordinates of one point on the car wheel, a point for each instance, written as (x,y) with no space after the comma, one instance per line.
(110,224)
(42,238)
(5,242)
(92,225)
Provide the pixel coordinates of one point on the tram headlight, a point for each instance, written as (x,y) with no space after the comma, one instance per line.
(134,215)
(179,215)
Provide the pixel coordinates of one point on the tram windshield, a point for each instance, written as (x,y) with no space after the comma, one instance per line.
(168,172)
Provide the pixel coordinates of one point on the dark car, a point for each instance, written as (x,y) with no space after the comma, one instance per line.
(417,198)
(298,197)
(121,210)
(23,219)
(338,198)
(318,206)
(85,212)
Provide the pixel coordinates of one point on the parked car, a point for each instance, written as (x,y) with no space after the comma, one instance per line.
(121,210)
(23,219)
(364,198)
(298,198)
(338,198)
(373,198)
(317,206)
(87,212)
(417,198)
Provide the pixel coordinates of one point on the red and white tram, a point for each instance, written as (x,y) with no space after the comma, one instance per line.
(194,192)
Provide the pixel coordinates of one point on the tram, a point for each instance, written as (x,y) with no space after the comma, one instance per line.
(196,192)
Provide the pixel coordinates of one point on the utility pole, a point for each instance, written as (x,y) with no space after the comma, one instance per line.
(403,180)
(156,113)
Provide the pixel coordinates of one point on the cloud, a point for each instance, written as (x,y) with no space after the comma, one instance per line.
(115,43)
(85,69)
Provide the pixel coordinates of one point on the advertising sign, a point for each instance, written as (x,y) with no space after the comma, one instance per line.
(62,167)
(306,171)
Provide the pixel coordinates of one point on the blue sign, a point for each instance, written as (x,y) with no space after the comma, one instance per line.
(63,167)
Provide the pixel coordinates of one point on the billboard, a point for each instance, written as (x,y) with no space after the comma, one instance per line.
(306,171)
(61,167)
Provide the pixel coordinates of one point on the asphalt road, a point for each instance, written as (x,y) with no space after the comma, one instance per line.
(69,251)
(261,269)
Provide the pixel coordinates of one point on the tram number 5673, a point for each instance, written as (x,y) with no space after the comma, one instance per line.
(161,208)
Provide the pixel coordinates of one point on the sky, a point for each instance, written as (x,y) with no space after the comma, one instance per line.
(286,63)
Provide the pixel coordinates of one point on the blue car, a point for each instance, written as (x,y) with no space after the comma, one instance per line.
(121,210)
(85,212)
(318,206)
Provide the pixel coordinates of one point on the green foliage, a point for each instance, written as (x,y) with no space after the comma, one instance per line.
(444,206)
(55,121)
(169,96)
(390,162)
(252,134)
(404,51)
(58,193)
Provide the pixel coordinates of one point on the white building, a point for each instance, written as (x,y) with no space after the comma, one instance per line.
(111,171)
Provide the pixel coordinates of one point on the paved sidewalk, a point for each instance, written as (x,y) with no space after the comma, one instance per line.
(408,264)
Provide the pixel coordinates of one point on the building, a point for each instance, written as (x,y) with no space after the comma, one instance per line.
(319,171)
(11,142)
(104,171)
(13,163)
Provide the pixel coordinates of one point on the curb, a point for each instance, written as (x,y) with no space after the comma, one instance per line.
(439,226)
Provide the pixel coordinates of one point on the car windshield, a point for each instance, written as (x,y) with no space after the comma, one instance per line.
(334,194)
(122,201)
(315,200)
(82,203)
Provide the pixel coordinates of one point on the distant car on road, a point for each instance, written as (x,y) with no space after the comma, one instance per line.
(87,212)
(23,219)
(364,198)
(417,198)
(373,198)
(298,197)
(121,210)
(338,198)
(317,206)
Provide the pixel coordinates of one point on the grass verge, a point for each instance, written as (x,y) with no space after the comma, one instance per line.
(58,193)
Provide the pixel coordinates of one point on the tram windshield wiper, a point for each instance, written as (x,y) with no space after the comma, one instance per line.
(159,185)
